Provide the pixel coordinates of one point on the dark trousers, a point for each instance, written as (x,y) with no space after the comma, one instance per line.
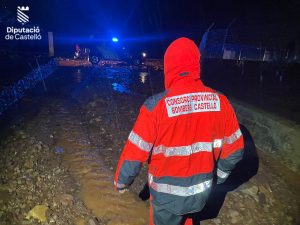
(161,216)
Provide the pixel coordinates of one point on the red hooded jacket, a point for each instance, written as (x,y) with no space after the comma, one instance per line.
(180,133)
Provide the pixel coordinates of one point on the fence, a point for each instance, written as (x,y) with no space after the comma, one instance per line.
(253,44)
(13,93)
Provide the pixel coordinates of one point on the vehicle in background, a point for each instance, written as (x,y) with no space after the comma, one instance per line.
(108,54)
(82,54)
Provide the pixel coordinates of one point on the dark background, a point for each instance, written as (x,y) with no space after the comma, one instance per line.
(144,23)
(151,25)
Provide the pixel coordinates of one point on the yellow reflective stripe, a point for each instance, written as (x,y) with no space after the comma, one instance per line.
(232,138)
(139,142)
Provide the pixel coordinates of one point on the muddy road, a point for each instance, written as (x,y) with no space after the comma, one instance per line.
(59,150)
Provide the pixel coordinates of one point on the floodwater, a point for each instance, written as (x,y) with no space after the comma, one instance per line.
(86,116)
(95,179)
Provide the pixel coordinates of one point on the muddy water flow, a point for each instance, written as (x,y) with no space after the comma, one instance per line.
(95,180)
(87,121)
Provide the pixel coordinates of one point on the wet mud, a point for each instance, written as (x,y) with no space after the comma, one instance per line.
(94,178)
(84,120)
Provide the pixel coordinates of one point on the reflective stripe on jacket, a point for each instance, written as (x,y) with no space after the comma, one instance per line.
(178,132)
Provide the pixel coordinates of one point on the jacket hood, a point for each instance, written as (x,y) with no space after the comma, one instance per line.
(181,61)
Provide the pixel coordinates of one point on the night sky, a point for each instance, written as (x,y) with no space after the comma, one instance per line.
(152,20)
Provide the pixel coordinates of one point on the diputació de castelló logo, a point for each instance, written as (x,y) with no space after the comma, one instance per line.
(22,17)
(23,33)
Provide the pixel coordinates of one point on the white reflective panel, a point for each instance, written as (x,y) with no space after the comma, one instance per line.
(192,103)
(139,142)
(150,178)
(232,138)
(181,191)
(217,143)
(183,150)
(222,174)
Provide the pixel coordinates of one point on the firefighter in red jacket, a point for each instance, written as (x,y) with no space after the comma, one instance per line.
(180,133)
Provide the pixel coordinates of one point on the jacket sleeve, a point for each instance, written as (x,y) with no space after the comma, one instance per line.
(233,145)
(137,149)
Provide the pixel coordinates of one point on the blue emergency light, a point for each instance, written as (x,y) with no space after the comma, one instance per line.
(114,39)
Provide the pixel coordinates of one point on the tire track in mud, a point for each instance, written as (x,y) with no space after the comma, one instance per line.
(96,181)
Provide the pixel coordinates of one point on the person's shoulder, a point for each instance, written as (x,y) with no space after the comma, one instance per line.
(153,100)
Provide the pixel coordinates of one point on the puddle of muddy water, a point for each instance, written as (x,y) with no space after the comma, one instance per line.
(96,189)
(94,178)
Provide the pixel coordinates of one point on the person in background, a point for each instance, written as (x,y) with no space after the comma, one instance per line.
(77,51)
